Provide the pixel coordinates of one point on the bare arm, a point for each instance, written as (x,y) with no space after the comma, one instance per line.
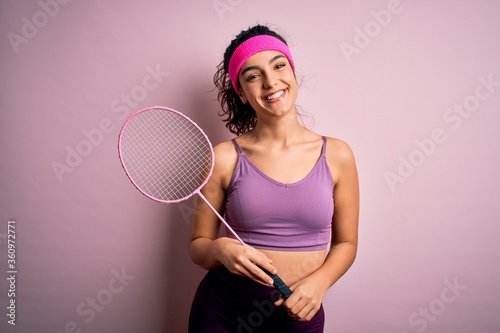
(206,225)
(345,218)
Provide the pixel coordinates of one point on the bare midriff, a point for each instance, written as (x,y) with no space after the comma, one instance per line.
(294,266)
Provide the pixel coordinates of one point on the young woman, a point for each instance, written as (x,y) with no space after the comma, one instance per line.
(288,193)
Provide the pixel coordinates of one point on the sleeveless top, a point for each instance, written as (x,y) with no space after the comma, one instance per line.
(268,214)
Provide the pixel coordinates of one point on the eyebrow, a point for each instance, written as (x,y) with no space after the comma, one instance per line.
(273,59)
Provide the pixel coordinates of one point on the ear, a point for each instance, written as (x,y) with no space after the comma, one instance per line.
(242,97)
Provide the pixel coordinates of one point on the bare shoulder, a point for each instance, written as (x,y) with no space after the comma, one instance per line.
(225,152)
(339,151)
(340,158)
(226,158)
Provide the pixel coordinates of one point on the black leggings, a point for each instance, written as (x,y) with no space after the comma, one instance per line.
(230,303)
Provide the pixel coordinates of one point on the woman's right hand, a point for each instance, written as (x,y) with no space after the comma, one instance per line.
(244,260)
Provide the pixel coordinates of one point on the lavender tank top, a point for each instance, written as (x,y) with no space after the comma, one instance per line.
(268,214)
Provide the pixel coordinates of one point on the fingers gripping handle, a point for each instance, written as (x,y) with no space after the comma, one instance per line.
(280,285)
(277,282)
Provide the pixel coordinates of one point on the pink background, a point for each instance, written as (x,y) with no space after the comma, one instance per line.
(388,77)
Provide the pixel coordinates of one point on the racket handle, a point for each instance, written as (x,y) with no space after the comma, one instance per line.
(279,284)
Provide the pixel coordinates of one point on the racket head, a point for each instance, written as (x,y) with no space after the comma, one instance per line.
(165,154)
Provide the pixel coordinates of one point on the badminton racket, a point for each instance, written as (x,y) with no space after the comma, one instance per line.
(169,158)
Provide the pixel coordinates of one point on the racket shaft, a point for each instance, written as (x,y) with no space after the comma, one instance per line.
(277,281)
(221,219)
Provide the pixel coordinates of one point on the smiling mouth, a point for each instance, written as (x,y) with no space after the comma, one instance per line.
(274,96)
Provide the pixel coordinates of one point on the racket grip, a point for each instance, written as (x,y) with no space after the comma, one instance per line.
(279,284)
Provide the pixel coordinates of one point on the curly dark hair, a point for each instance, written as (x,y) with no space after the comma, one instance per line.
(239,117)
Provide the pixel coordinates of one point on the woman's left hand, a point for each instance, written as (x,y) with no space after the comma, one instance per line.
(306,298)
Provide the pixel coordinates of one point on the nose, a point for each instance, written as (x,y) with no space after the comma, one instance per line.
(270,80)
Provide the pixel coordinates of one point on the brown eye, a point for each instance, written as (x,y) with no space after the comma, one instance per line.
(252,77)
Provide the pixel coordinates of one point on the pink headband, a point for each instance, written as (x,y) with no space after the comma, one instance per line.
(251,46)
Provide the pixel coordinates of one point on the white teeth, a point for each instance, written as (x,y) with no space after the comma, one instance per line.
(275,95)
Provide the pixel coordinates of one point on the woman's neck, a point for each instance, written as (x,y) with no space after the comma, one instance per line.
(283,131)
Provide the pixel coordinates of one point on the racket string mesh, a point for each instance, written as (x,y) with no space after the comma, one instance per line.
(165,154)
